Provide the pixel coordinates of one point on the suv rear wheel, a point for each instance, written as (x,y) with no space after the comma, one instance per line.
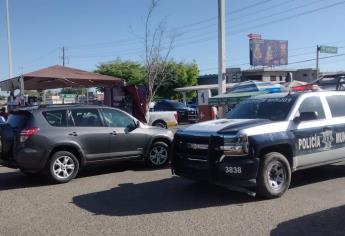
(274,175)
(62,167)
(158,155)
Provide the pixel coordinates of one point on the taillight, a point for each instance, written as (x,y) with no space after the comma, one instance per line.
(25,134)
(176,116)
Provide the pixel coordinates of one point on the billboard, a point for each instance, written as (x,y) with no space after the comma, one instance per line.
(268,52)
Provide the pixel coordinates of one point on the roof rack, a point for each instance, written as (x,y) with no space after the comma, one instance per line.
(67,105)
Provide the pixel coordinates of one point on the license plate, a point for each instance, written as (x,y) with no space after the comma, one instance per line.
(233,170)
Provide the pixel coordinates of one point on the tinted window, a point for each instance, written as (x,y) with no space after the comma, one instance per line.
(114,118)
(18,120)
(275,109)
(169,106)
(177,105)
(337,105)
(312,104)
(85,117)
(56,118)
(160,106)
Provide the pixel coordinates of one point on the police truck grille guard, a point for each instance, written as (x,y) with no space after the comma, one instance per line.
(202,163)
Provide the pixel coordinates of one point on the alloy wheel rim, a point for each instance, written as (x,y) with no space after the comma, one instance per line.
(276,175)
(158,155)
(63,167)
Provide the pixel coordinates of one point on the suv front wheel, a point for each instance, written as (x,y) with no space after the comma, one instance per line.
(158,155)
(274,175)
(62,167)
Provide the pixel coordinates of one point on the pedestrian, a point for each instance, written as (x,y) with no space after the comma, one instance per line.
(3,113)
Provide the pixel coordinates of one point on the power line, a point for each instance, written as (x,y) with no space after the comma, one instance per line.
(213,34)
(128,42)
(173,29)
(321,58)
(30,63)
(294,15)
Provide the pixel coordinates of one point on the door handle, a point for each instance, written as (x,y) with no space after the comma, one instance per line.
(73,134)
(113,133)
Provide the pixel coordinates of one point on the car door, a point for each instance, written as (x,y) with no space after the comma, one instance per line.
(126,139)
(86,129)
(336,105)
(313,138)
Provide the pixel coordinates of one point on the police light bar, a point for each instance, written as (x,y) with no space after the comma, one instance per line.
(306,87)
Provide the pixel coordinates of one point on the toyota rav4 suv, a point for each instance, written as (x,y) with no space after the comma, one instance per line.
(263,140)
(59,140)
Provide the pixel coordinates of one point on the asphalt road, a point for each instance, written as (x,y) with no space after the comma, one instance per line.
(128,199)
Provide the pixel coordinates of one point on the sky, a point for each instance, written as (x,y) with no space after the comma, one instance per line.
(99,31)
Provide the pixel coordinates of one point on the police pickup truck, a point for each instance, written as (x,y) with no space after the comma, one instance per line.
(262,140)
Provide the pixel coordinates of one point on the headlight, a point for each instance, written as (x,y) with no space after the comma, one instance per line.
(235,146)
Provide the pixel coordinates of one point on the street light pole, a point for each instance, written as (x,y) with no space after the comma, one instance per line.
(221,50)
(221,46)
(9,44)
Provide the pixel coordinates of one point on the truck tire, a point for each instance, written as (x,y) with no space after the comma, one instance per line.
(161,124)
(274,175)
(62,167)
(158,155)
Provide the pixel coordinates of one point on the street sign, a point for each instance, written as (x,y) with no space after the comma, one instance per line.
(203,96)
(328,49)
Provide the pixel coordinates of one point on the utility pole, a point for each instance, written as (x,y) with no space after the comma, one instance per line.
(221,51)
(9,43)
(63,56)
(317,61)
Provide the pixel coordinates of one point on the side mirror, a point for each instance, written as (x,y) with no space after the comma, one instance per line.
(306,116)
(132,126)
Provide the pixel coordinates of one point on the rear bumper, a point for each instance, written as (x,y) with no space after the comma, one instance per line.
(26,159)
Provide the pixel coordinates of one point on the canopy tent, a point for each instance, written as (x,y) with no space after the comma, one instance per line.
(231,98)
(60,77)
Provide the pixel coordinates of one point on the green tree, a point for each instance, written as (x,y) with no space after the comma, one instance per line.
(179,75)
(130,71)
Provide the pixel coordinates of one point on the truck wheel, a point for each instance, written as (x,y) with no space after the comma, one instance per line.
(161,124)
(274,175)
(62,167)
(158,155)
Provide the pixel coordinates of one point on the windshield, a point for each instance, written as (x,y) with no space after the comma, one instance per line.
(275,109)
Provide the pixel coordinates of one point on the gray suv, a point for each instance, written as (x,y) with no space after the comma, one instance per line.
(58,140)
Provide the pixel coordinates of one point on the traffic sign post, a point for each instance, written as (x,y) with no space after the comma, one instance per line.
(328,49)
(323,49)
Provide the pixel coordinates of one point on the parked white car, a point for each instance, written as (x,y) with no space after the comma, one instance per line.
(164,119)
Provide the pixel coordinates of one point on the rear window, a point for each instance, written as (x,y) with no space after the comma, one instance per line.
(18,120)
(337,105)
(56,118)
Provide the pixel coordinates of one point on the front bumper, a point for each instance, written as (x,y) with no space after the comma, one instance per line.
(231,171)
(211,166)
